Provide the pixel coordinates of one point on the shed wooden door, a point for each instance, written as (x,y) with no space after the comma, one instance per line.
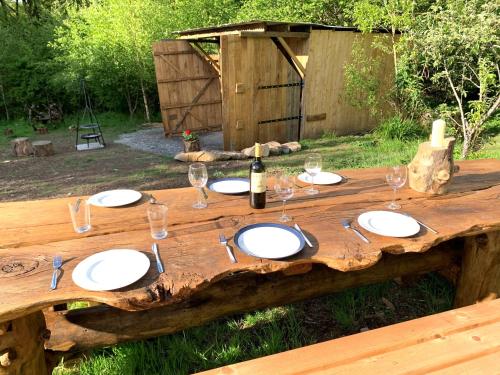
(261,92)
(188,88)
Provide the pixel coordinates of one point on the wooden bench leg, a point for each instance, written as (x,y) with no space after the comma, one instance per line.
(22,345)
(480,275)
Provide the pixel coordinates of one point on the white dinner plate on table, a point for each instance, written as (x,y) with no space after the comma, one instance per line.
(111,269)
(322,178)
(390,224)
(115,198)
(231,185)
(269,240)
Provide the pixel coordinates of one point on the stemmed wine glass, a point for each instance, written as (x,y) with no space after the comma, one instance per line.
(284,187)
(396,178)
(198,177)
(312,165)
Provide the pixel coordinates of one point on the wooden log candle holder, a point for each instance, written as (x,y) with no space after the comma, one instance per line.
(432,168)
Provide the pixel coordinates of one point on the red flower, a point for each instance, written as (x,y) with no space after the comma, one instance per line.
(187,132)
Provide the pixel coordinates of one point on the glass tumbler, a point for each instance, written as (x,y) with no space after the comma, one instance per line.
(157,216)
(80,215)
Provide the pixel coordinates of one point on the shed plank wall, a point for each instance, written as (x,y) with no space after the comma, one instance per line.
(329,52)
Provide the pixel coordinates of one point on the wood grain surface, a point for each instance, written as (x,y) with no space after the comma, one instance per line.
(31,233)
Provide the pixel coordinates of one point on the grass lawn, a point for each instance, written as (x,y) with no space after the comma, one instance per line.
(238,337)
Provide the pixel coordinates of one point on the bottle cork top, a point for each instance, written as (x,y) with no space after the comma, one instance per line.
(258,150)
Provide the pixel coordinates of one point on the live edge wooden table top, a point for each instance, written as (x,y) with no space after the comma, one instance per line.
(32,232)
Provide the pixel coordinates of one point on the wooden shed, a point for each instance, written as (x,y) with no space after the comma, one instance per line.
(265,81)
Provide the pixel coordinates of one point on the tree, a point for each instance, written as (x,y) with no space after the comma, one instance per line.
(109,44)
(322,11)
(459,44)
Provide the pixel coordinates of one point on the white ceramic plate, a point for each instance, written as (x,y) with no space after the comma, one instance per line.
(115,198)
(387,223)
(230,185)
(111,269)
(269,240)
(323,178)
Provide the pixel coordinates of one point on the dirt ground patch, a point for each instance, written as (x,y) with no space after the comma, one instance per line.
(87,172)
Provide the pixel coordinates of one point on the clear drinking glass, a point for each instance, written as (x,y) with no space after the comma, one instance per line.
(80,215)
(312,165)
(284,187)
(396,178)
(157,216)
(198,177)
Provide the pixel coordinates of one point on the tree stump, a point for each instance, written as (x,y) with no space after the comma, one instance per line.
(21,146)
(191,146)
(431,170)
(43,148)
(22,345)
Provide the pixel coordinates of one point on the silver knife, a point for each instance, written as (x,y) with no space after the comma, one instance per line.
(422,224)
(303,235)
(158,261)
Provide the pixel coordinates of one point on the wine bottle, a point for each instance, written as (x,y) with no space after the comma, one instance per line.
(258,180)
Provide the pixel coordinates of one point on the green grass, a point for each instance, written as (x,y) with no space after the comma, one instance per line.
(269,331)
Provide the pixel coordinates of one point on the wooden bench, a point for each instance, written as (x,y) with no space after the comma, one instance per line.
(461,341)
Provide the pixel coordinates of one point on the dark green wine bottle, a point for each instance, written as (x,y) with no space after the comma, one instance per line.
(258,180)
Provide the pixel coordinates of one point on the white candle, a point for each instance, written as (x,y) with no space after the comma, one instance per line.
(437,137)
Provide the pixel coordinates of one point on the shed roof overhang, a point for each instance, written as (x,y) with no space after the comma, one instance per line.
(261,28)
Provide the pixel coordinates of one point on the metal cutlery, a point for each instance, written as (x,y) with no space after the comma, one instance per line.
(223,242)
(158,261)
(347,225)
(56,264)
(296,226)
(422,224)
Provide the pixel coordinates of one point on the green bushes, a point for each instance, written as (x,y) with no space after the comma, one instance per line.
(399,129)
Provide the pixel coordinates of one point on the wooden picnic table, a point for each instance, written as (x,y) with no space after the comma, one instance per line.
(201,284)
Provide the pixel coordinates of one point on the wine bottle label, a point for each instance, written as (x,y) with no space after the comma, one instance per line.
(258,182)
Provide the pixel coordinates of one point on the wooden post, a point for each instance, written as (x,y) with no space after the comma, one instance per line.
(431,169)
(21,146)
(480,276)
(22,345)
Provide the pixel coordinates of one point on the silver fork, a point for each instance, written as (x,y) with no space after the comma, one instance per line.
(56,264)
(223,242)
(347,225)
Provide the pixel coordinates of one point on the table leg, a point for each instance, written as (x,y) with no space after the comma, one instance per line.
(22,345)
(480,275)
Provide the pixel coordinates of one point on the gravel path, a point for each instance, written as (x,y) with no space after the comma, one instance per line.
(154,141)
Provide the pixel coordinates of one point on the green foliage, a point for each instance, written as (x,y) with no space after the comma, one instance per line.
(323,11)
(187,14)
(399,129)
(109,44)
(27,68)
(457,42)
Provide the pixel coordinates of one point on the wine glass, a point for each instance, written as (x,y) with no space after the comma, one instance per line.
(312,165)
(198,177)
(284,187)
(396,178)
